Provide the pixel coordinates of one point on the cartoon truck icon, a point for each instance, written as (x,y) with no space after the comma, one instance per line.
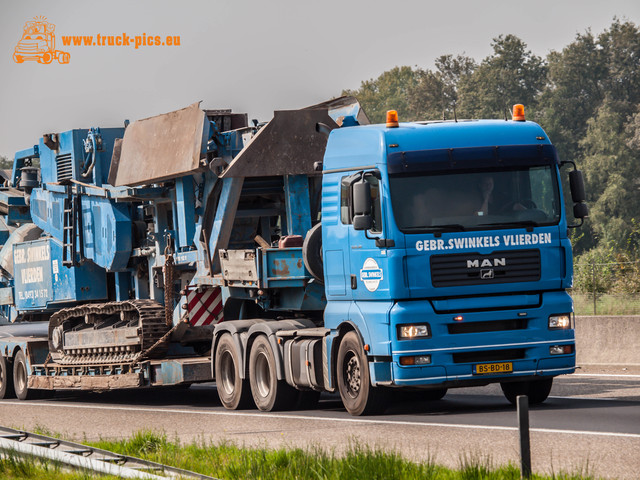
(38,42)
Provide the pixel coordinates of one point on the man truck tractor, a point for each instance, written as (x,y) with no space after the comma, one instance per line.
(313,253)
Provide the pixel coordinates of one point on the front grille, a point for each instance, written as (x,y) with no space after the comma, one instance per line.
(489,326)
(475,269)
(64,168)
(489,356)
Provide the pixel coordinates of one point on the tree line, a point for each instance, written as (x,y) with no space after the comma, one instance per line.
(586,96)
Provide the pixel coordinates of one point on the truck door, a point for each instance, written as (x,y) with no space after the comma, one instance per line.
(368,262)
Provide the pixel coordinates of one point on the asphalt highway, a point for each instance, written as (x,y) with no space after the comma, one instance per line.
(590,423)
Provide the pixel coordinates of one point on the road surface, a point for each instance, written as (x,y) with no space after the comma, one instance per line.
(590,424)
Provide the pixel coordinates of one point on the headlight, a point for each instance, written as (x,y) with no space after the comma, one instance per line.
(558,322)
(407,332)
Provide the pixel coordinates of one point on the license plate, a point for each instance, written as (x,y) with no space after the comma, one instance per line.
(489,368)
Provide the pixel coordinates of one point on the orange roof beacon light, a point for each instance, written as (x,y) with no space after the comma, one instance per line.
(518,113)
(392,119)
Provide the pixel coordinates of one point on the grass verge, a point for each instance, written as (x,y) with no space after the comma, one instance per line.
(229,462)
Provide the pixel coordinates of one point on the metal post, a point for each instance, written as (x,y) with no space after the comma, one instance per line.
(525,444)
(593,286)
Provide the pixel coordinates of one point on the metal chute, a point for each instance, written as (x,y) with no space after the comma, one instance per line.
(160,148)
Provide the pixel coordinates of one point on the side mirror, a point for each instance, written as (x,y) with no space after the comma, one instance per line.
(576,183)
(580,210)
(362,219)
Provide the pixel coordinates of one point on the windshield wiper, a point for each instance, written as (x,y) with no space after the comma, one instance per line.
(455,227)
(515,223)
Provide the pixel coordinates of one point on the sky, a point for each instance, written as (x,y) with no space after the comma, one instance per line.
(251,56)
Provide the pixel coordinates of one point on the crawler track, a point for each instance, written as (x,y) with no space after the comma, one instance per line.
(145,317)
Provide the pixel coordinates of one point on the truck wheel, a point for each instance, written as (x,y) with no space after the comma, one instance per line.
(537,390)
(21,378)
(312,252)
(354,383)
(433,395)
(17,58)
(268,392)
(63,58)
(232,389)
(6,379)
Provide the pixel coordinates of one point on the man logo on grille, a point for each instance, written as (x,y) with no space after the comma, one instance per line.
(487,274)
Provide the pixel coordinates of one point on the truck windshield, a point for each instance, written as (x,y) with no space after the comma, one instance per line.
(475,199)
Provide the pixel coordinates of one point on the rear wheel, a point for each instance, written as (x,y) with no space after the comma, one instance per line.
(354,383)
(268,392)
(6,379)
(537,390)
(233,391)
(21,379)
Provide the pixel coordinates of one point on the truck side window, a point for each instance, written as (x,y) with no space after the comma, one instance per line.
(345,212)
(376,208)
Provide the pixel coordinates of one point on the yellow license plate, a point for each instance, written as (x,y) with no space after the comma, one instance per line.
(489,368)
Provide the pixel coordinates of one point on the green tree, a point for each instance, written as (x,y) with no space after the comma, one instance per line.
(5,163)
(436,93)
(390,91)
(512,74)
(612,172)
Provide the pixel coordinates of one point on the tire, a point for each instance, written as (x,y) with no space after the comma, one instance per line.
(268,392)
(21,378)
(63,58)
(312,252)
(433,395)
(354,383)
(233,391)
(6,379)
(537,390)
(18,58)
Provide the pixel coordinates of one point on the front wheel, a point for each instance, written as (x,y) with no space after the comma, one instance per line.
(233,390)
(537,390)
(354,383)
(6,379)
(268,392)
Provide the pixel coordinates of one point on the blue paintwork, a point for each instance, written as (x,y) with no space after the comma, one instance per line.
(403,293)
(42,283)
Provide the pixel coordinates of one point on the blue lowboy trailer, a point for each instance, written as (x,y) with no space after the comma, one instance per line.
(312,253)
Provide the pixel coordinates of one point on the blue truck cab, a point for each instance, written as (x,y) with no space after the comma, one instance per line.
(446,252)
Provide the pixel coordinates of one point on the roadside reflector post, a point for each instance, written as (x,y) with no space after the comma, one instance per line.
(523,429)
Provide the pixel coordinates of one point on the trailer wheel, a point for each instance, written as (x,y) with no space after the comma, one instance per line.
(233,391)
(312,252)
(537,390)
(21,378)
(6,379)
(268,392)
(354,383)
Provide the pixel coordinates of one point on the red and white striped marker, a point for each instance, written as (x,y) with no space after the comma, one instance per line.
(205,308)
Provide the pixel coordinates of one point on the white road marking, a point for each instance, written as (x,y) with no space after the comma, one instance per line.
(322,419)
(604,375)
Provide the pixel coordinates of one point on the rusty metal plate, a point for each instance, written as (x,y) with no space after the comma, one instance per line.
(159,148)
(288,145)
